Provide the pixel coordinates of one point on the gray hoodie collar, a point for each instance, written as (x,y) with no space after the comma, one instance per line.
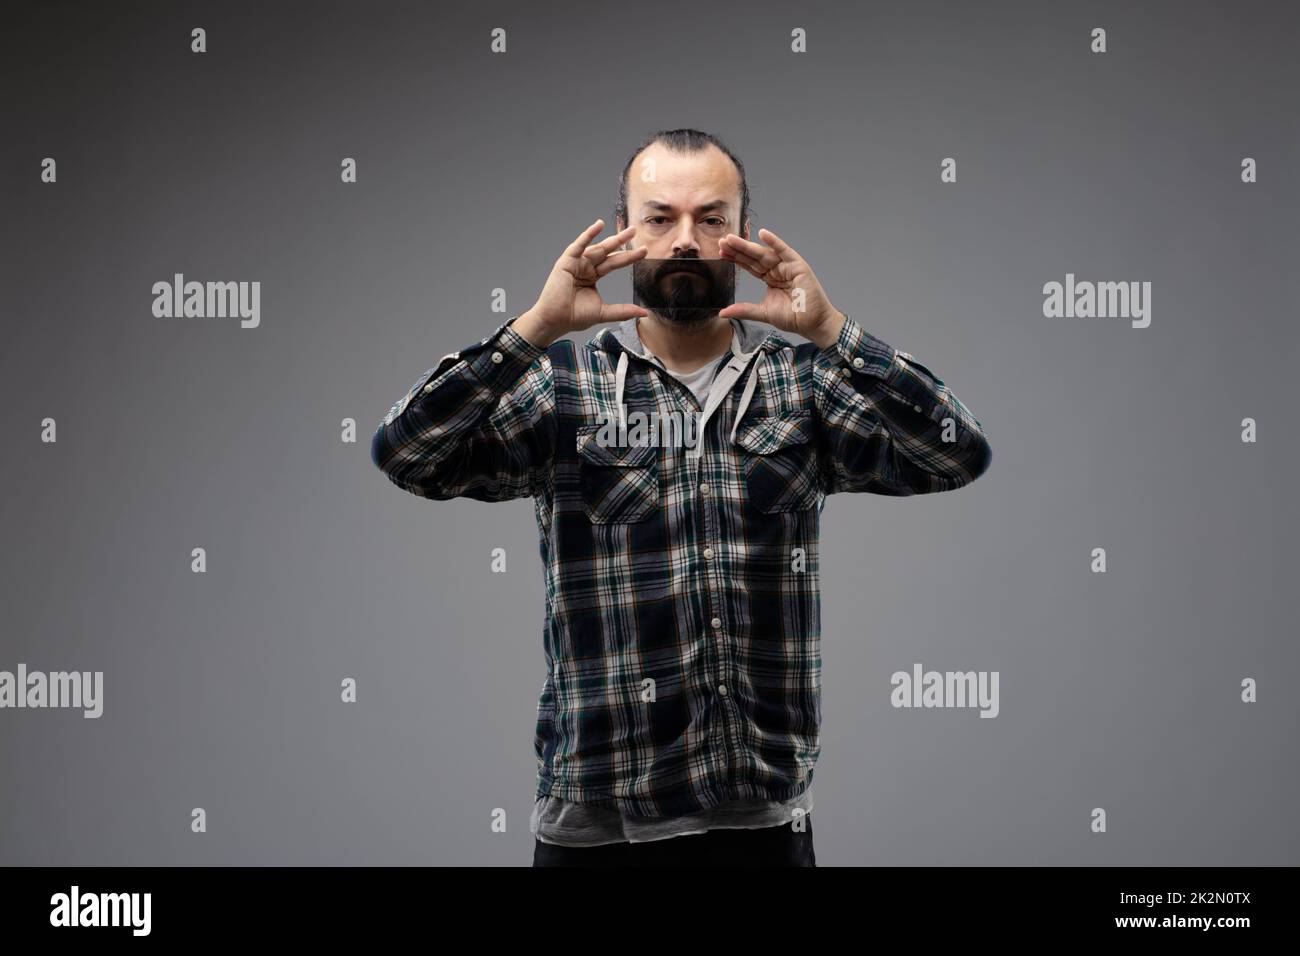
(755,340)
(752,336)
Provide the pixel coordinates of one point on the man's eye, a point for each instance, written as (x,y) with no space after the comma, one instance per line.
(716,221)
(655,219)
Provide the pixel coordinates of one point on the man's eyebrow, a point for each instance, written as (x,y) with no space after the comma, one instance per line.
(667,207)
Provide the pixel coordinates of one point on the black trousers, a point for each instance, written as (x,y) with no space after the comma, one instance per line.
(765,846)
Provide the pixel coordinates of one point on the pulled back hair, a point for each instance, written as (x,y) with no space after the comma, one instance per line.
(682,141)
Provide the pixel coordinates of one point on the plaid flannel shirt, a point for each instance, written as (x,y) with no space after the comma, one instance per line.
(682,631)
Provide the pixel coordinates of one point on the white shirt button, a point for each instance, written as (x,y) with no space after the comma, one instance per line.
(858,363)
(722,689)
(844,370)
(708,552)
(704,488)
(497,357)
(716,622)
(429,387)
(916,408)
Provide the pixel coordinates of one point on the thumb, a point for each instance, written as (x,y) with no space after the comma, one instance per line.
(618,313)
(743,310)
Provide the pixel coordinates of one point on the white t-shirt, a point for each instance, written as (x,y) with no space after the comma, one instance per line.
(699,380)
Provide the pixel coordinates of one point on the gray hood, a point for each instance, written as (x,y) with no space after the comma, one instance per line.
(748,339)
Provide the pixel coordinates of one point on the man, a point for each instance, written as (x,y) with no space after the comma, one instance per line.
(679,719)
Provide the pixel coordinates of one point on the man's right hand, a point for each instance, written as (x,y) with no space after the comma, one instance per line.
(569,301)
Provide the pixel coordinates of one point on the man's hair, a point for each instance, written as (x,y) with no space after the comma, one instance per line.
(682,141)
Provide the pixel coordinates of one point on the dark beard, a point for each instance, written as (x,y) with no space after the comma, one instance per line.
(684,301)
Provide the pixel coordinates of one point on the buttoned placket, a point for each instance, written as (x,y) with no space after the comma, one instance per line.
(716,635)
(715,631)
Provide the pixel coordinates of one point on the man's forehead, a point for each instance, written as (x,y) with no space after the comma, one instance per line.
(665,176)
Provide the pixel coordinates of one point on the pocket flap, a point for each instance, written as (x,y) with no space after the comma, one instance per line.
(763,436)
(625,456)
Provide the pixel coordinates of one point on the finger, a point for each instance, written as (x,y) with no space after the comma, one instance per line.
(620,259)
(760,253)
(752,249)
(779,246)
(603,248)
(744,310)
(620,312)
(740,258)
(575,248)
(752,266)
(619,238)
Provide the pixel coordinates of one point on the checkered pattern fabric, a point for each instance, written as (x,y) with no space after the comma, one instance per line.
(682,631)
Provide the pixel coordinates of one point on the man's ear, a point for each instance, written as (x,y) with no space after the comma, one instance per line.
(745,234)
(619,226)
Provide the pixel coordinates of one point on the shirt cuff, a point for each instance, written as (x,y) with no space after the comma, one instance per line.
(497,360)
(856,352)
(502,357)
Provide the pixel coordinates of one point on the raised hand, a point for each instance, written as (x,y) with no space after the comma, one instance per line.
(570,302)
(794,300)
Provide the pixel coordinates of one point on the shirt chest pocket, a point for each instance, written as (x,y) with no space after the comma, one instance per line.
(620,483)
(779,462)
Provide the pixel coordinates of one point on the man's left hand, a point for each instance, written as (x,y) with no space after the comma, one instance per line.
(794,300)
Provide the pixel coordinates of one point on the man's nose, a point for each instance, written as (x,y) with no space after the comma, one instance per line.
(684,241)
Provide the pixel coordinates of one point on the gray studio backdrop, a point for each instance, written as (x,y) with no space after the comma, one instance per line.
(1119,690)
